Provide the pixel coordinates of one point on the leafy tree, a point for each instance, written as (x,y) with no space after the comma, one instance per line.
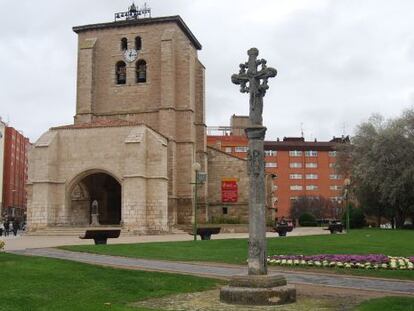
(380,161)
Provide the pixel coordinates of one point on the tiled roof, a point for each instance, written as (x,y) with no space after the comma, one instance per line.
(228,154)
(97,123)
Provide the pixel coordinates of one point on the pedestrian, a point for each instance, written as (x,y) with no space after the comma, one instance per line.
(6,227)
(15,226)
(11,229)
(2,229)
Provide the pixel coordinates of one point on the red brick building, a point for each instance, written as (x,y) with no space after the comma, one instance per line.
(299,167)
(14,170)
(303,168)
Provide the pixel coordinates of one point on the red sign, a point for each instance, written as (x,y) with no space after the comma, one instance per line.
(229,190)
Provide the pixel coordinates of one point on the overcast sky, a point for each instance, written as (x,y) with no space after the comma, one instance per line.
(338,62)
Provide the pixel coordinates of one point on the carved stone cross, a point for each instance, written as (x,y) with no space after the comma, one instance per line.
(257,83)
(258,287)
(254,81)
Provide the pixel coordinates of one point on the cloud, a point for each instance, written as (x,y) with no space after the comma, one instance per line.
(338,61)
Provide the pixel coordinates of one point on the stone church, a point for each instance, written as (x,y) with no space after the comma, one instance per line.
(138,130)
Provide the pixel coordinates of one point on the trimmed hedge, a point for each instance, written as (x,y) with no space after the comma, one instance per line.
(307,220)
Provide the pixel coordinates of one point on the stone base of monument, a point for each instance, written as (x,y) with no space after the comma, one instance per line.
(258,290)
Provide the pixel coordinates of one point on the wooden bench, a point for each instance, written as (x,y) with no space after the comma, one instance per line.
(205,233)
(101,236)
(282,229)
(335,227)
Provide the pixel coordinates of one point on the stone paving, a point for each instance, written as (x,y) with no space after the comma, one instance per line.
(29,241)
(209,301)
(224,271)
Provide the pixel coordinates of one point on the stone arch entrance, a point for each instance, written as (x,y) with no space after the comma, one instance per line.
(100,186)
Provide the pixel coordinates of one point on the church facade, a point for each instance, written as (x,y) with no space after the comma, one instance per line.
(138,130)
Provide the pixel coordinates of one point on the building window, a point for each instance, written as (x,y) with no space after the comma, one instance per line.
(334,176)
(141,71)
(335,187)
(311,153)
(332,153)
(270,153)
(295,176)
(124,44)
(295,165)
(295,153)
(311,176)
(311,165)
(332,165)
(312,187)
(270,164)
(240,149)
(120,72)
(294,198)
(228,149)
(336,199)
(138,43)
(296,187)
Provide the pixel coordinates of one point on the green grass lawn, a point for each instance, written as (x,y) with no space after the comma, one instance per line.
(40,284)
(369,241)
(387,303)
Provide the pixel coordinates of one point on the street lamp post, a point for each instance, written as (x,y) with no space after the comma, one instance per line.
(13,207)
(196,168)
(347,182)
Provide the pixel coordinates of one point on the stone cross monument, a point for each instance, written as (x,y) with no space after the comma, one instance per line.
(257,80)
(257,288)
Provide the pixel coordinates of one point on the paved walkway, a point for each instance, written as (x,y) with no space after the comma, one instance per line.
(224,271)
(27,241)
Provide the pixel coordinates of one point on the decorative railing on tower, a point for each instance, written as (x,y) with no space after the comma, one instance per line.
(134,12)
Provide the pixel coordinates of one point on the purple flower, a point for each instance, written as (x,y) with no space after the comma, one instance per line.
(371,258)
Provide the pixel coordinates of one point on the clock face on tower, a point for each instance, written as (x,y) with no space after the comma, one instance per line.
(130,55)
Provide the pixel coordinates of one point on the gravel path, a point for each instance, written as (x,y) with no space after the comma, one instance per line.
(225,271)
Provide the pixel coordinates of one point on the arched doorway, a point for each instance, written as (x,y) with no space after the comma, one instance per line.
(96,186)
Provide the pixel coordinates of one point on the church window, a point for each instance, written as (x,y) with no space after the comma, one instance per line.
(141,71)
(138,43)
(120,72)
(124,44)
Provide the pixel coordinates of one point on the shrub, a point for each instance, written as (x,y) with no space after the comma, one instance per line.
(307,220)
(356,218)
(2,245)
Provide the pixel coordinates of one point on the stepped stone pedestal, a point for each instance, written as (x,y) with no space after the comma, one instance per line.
(258,290)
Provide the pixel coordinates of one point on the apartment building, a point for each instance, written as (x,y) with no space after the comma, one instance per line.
(14,148)
(299,167)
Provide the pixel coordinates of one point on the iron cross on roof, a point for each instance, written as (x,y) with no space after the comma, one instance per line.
(257,86)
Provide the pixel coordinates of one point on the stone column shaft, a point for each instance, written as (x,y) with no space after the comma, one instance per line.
(257,264)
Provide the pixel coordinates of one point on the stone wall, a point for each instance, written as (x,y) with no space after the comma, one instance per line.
(222,165)
(135,156)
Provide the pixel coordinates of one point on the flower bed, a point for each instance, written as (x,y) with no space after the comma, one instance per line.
(344,261)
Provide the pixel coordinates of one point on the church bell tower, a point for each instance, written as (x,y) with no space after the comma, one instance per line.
(146,69)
